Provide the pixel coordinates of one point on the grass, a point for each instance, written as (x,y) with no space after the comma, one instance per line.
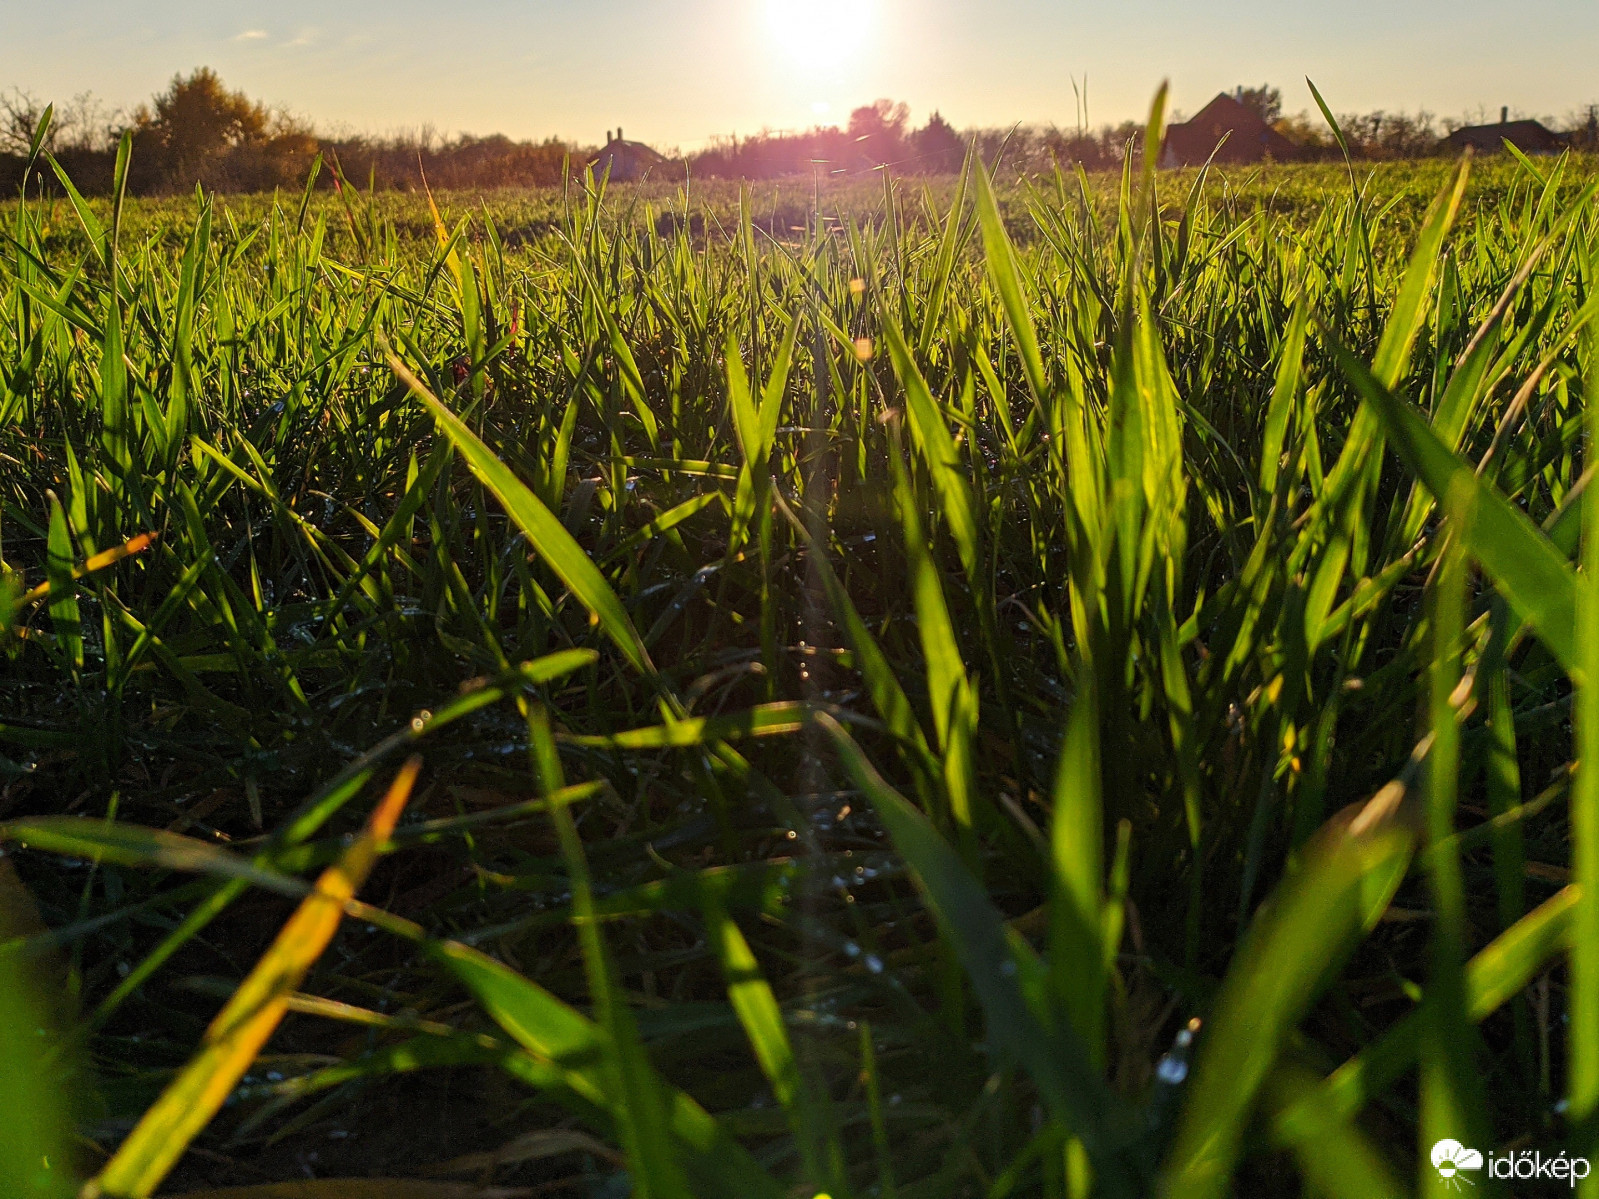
(1072,687)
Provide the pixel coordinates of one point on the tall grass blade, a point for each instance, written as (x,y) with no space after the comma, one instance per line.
(1451,1099)
(1303,933)
(1582,1088)
(37,1154)
(1526,568)
(1005,273)
(544,531)
(1053,1053)
(639,1107)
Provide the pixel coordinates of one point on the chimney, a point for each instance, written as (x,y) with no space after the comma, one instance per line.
(1504,115)
(608,138)
(619,130)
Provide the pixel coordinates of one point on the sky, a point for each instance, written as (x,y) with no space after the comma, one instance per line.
(677,73)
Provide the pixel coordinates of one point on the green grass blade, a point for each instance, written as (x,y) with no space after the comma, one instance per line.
(1341,1163)
(552,1031)
(1076,842)
(931,435)
(627,366)
(37,1154)
(1451,1098)
(639,1108)
(543,529)
(762,1020)
(948,688)
(86,217)
(1301,935)
(1283,396)
(765,720)
(949,244)
(40,132)
(1410,308)
(65,618)
(1529,572)
(1582,1088)
(1052,1053)
(882,685)
(1337,129)
(1498,973)
(1005,273)
(667,520)
(132,845)
(346,1188)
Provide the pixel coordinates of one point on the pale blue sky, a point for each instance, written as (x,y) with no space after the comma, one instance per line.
(676,73)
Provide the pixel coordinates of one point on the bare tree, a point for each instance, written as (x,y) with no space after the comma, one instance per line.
(81,125)
(1265,101)
(20,114)
(85,125)
(1582,128)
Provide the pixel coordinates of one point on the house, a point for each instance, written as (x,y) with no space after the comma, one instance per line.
(1249,139)
(1530,137)
(627,162)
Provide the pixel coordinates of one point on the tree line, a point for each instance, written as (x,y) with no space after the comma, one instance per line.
(200,132)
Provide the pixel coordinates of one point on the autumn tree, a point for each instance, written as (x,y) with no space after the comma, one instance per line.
(878,131)
(198,131)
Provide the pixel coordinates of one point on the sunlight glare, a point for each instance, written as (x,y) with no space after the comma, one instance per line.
(818,35)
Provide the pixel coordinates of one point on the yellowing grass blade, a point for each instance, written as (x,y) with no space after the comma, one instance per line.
(100,561)
(250,1017)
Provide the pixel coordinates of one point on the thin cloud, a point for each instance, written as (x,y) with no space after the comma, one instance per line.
(251,35)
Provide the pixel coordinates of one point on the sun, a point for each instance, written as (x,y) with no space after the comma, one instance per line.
(819,35)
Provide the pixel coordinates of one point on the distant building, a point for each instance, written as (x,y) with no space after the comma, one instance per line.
(1249,139)
(1530,137)
(627,162)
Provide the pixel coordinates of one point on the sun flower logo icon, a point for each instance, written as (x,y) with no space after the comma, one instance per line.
(1451,1157)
